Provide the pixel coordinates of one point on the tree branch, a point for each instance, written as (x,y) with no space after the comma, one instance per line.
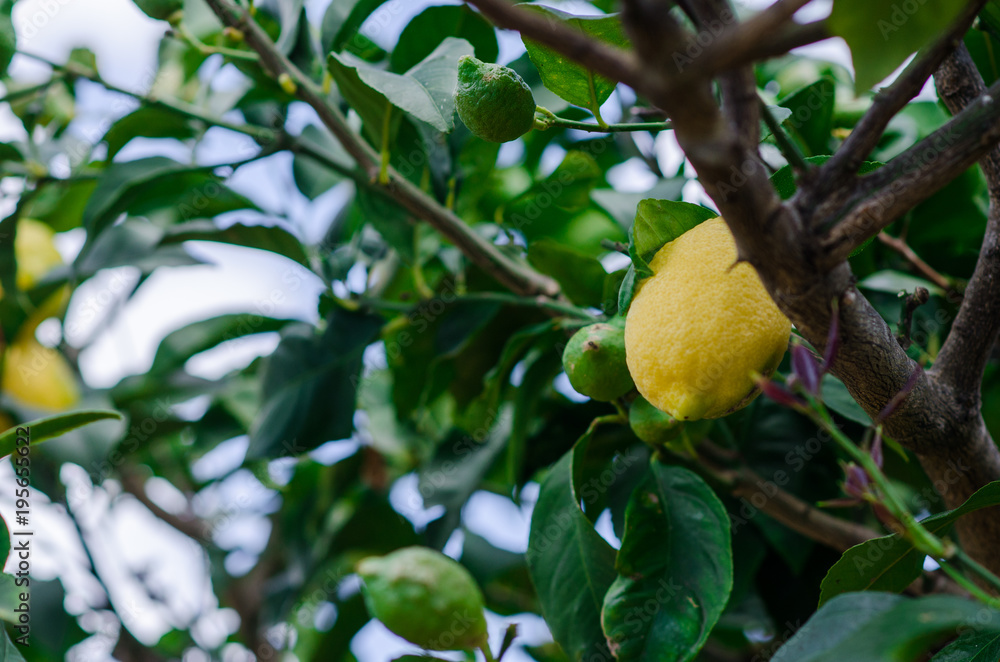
(513,274)
(963,357)
(927,271)
(197,529)
(883,196)
(836,174)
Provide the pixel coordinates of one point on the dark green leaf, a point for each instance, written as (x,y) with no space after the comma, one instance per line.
(309,386)
(972,646)
(675,569)
(627,290)
(812,115)
(574,83)
(429,28)
(8,37)
(581,276)
(835,622)
(135,243)
(658,222)
(147,122)
(891,563)
(50,427)
(836,397)
(8,651)
(882,35)
(263,237)
(900,633)
(312,176)
(571,566)
(180,345)
(342,20)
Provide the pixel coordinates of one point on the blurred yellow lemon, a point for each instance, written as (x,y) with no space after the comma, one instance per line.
(38,376)
(700,327)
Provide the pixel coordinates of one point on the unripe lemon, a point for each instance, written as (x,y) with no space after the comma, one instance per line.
(493,101)
(701,326)
(426,598)
(594,361)
(652,425)
(38,376)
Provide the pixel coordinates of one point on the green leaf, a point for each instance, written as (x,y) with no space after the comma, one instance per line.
(145,185)
(834,623)
(311,176)
(675,568)
(658,222)
(426,92)
(60,204)
(891,563)
(581,276)
(433,25)
(262,237)
(146,122)
(8,651)
(133,243)
(784,179)
(50,427)
(837,398)
(572,82)
(882,35)
(779,114)
(894,282)
(571,566)
(342,20)
(181,344)
(310,386)
(971,646)
(900,633)
(627,291)
(811,119)
(8,37)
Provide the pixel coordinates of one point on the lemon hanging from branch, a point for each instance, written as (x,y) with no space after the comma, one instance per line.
(493,101)
(701,326)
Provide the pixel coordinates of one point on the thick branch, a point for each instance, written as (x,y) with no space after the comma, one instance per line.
(963,357)
(515,275)
(836,173)
(880,198)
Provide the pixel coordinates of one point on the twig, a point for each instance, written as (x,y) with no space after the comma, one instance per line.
(193,527)
(515,275)
(912,302)
(787,146)
(927,271)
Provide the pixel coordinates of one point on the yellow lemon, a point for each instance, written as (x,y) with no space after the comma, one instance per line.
(700,327)
(38,376)
(35,252)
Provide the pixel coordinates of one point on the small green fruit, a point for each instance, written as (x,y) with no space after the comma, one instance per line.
(426,598)
(594,361)
(493,101)
(652,425)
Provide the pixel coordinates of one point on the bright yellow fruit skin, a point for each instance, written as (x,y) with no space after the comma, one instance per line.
(700,327)
(38,376)
(36,253)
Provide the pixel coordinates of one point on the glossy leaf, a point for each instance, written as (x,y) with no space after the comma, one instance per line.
(837,398)
(891,563)
(427,91)
(971,646)
(342,21)
(811,118)
(834,623)
(658,222)
(675,569)
(883,35)
(570,81)
(903,631)
(431,26)
(146,122)
(571,566)
(51,427)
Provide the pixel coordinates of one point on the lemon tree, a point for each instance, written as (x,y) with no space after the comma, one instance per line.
(600,331)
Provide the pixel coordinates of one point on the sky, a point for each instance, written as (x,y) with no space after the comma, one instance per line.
(123,535)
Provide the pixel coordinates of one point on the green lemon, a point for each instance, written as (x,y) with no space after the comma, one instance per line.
(426,598)
(159,9)
(493,101)
(594,361)
(652,425)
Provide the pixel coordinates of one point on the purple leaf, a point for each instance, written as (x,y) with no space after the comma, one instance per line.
(857,481)
(779,395)
(806,368)
(876,450)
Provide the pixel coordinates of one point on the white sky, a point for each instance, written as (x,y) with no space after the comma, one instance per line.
(124,41)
